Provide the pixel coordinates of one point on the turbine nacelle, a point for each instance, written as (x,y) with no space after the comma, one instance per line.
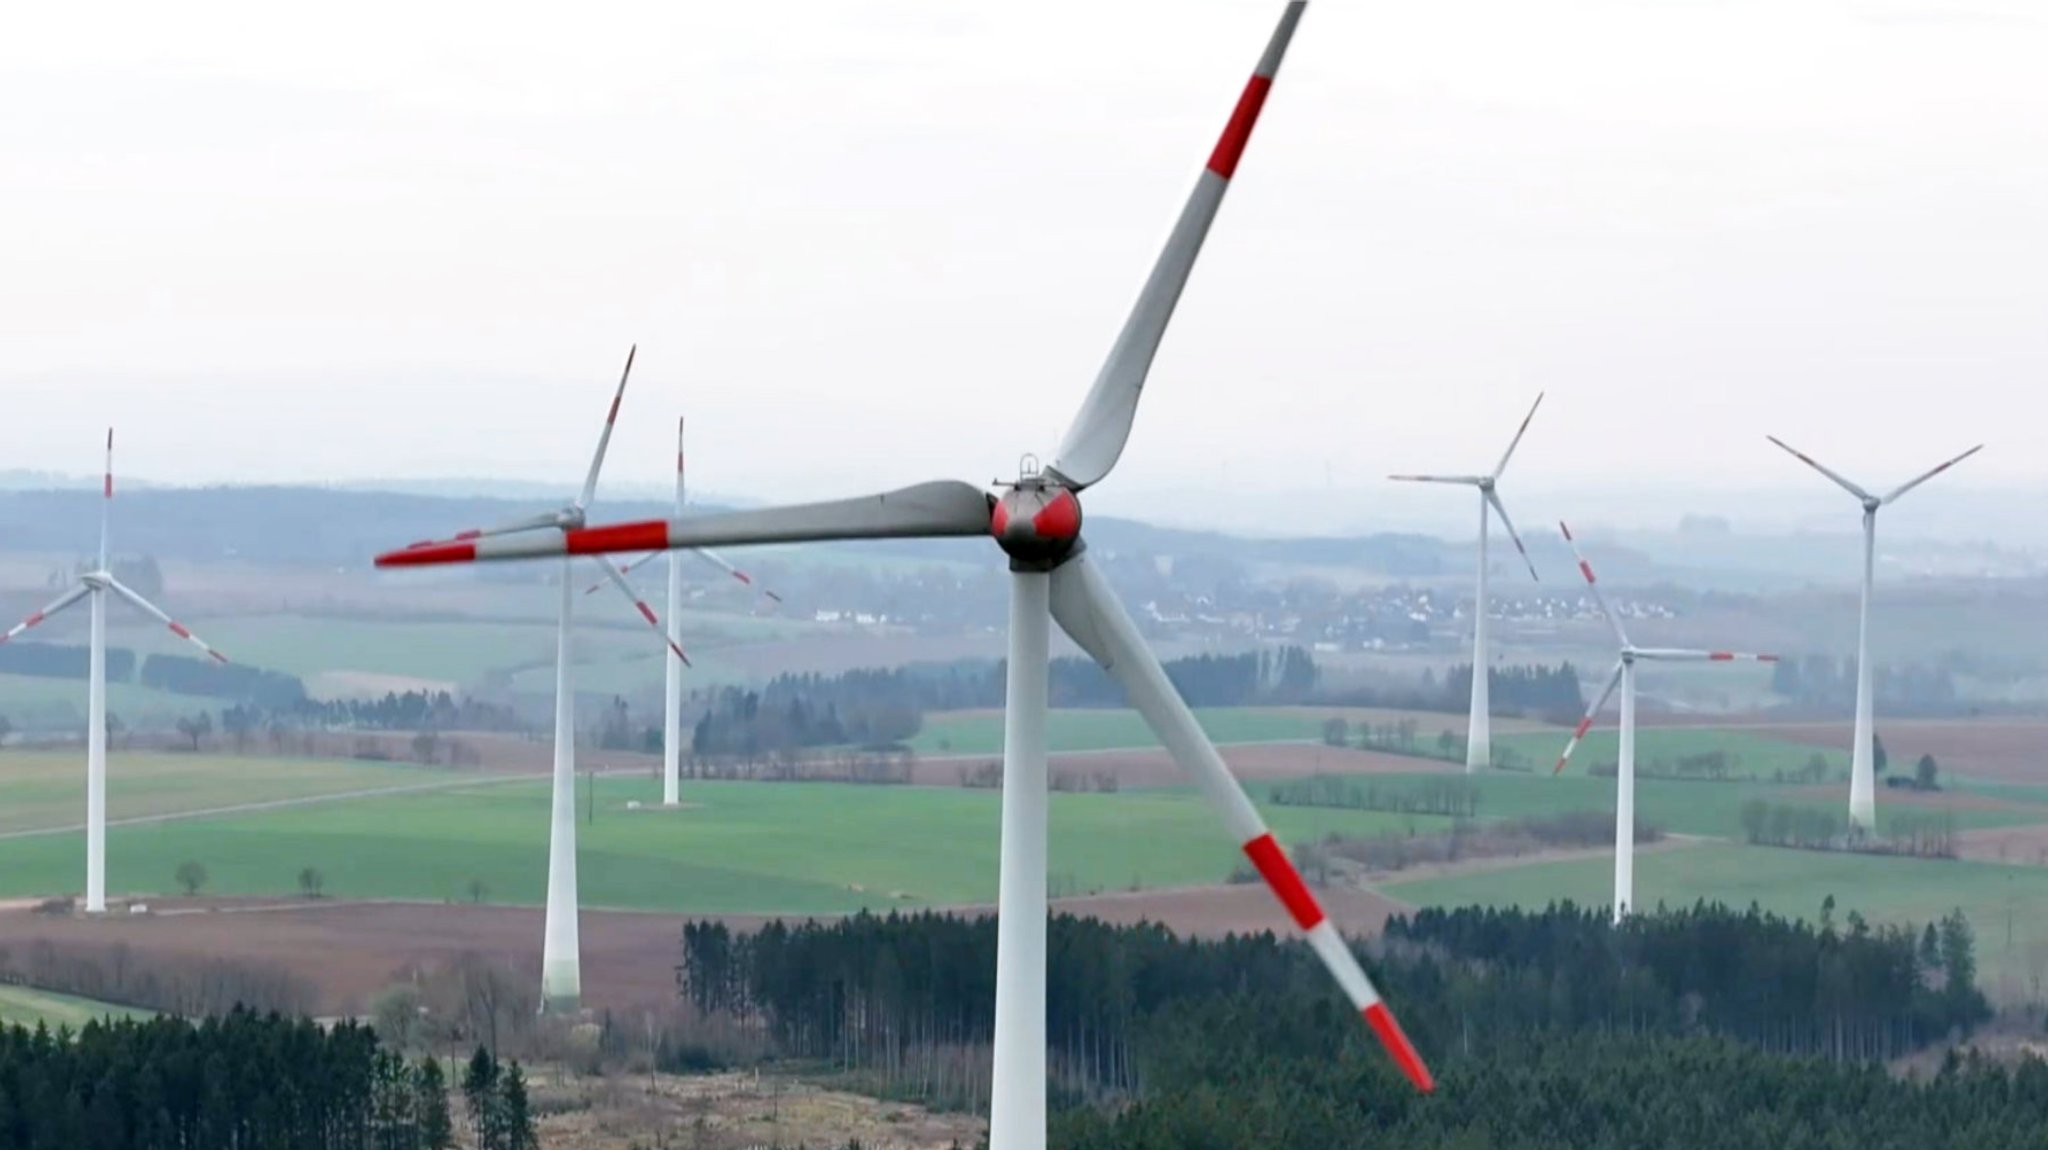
(1037,523)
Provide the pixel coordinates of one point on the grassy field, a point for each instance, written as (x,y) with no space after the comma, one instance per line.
(33,701)
(47,788)
(1751,754)
(1791,882)
(24,1006)
(788,847)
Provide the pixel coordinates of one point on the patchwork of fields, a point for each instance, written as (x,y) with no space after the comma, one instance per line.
(820,848)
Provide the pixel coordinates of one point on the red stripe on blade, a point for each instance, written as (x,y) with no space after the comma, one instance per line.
(429,555)
(1390,1035)
(461,536)
(110,486)
(1584,725)
(1238,132)
(1559,768)
(1586,569)
(651,535)
(32,620)
(647,612)
(179,630)
(1721,656)
(742,577)
(1286,882)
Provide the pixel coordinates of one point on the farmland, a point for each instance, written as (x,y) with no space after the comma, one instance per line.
(24,1006)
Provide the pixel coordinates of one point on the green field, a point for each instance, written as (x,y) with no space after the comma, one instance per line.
(47,788)
(1751,755)
(810,847)
(1108,729)
(25,1006)
(33,701)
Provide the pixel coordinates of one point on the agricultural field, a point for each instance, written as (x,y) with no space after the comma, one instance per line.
(40,790)
(1106,729)
(26,1006)
(779,847)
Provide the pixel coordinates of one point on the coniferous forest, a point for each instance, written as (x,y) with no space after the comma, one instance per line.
(1703,1027)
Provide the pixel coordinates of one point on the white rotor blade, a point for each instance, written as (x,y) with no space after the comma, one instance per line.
(1517,440)
(1809,460)
(106,498)
(1593,584)
(62,601)
(604,438)
(1683,655)
(1103,425)
(1466,480)
(1501,510)
(1606,693)
(624,569)
(718,561)
(1912,483)
(926,511)
(177,628)
(529,523)
(1089,612)
(618,579)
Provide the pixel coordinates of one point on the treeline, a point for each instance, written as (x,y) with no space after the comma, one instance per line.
(239,1080)
(178,674)
(1921,834)
(190,985)
(909,999)
(1828,682)
(884,706)
(1531,690)
(1452,797)
(1500,838)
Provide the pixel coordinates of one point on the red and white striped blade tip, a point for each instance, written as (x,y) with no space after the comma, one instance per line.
(428,555)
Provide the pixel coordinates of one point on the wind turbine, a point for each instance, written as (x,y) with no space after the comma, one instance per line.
(98,584)
(1624,676)
(1862,763)
(1479,728)
(1036,520)
(672,713)
(561,968)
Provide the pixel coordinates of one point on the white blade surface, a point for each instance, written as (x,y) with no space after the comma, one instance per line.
(1810,461)
(1517,440)
(1501,510)
(1103,425)
(1918,480)
(1593,585)
(925,511)
(62,601)
(511,527)
(106,498)
(1586,723)
(1089,612)
(1466,480)
(604,438)
(177,628)
(1683,655)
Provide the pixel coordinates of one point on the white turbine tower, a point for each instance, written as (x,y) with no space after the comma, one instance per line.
(1479,729)
(1037,522)
(672,712)
(98,584)
(561,968)
(1862,755)
(1624,675)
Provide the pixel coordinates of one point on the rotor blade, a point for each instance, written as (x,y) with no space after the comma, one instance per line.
(1808,460)
(107,498)
(62,601)
(624,569)
(1088,611)
(1466,480)
(530,523)
(718,561)
(1606,693)
(177,628)
(604,438)
(1682,655)
(1103,425)
(1501,510)
(1593,584)
(1911,484)
(1517,440)
(925,511)
(618,579)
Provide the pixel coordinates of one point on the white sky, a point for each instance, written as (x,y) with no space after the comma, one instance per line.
(866,242)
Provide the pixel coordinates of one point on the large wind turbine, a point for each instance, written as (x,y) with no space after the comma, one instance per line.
(672,711)
(1037,522)
(1862,762)
(561,968)
(1624,675)
(98,584)
(1479,728)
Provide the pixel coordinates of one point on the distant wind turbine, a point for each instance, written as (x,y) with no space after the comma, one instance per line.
(1862,768)
(1624,675)
(1479,729)
(98,583)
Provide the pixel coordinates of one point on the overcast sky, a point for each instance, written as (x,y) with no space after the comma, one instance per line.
(864,242)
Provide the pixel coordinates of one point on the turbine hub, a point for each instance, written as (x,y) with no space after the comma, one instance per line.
(97,580)
(1871,503)
(1037,523)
